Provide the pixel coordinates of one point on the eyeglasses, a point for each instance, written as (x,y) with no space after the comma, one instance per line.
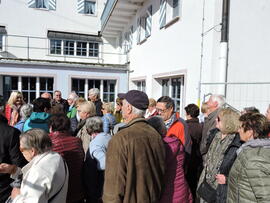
(161,110)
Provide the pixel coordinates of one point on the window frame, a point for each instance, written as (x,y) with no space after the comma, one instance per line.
(67,50)
(45,4)
(85,6)
(56,48)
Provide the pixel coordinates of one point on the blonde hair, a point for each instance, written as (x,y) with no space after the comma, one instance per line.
(152,102)
(79,101)
(230,121)
(108,106)
(13,97)
(204,107)
(88,107)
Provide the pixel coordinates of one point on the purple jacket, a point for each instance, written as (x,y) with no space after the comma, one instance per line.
(176,187)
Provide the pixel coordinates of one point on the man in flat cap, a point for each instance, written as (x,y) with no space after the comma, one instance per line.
(135,160)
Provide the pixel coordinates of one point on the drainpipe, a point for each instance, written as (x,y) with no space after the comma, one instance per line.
(223,58)
(201,62)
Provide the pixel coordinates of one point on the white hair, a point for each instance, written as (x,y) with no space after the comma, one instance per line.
(220,99)
(93,91)
(136,111)
(26,111)
(73,96)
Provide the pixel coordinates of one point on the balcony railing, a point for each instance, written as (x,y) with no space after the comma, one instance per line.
(107,12)
(38,48)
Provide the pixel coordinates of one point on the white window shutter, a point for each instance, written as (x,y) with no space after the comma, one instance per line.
(80,7)
(131,36)
(32,3)
(52,4)
(162,13)
(148,22)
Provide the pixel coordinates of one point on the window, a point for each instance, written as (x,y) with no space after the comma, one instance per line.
(86,7)
(81,49)
(107,87)
(46,85)
(168,11)
(140,85)
(89,7)
(108,90)
(172,87)
(144,25)
(29,88)
(10,84)
(55,46)
(78,86)
(68,47)
(94,84)
(1,42)
(42,4)
(93,49)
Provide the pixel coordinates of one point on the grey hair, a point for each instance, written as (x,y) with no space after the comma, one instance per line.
(26,111)
(73,96)
(220,99)
(94,125)
(93,91)
(138,112)
(37,139)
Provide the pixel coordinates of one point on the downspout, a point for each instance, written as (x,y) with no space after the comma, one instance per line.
(201,62)
(224,47)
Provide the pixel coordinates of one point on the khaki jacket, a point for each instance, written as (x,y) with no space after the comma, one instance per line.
(249,179)
(135,165)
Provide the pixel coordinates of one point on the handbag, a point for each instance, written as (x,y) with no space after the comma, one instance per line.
(206,191)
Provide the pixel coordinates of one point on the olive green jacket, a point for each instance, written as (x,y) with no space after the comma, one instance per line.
(249,179)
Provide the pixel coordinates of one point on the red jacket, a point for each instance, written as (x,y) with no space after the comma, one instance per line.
(70,148)
(179,129)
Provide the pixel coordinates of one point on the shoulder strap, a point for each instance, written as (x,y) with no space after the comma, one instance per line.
(65,164)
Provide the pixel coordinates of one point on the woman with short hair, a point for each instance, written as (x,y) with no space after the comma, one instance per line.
(45,177)
(70,148)
(94,165)
(25,113)
(224,141)
(249,179)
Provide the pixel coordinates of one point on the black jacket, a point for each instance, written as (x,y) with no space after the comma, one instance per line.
(229,158)
(10,154)
(98,105)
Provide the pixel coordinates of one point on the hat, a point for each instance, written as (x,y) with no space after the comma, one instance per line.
(136,98)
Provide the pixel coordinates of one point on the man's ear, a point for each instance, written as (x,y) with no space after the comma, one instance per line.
(129,109)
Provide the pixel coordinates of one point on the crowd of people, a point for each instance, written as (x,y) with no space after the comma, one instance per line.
(136,150)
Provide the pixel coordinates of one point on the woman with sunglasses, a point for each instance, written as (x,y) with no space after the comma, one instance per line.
(225,141)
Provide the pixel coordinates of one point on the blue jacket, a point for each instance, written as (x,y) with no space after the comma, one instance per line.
(98,148)
(109,122)
(19,125)
(37,120)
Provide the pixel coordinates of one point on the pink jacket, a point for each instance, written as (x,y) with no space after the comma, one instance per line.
(176,187)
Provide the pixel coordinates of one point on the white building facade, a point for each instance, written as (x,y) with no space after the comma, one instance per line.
(48,45)
(174,49)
